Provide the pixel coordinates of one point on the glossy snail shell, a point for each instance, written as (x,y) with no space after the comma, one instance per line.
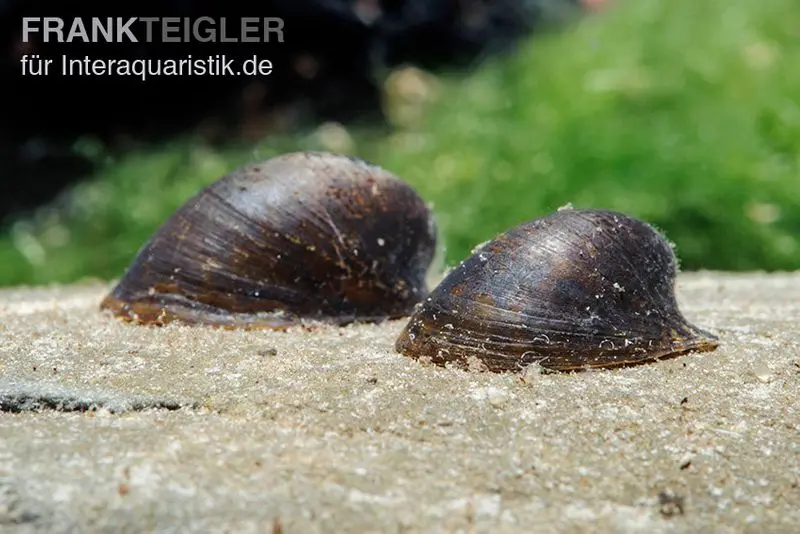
(299,238)
(577,289)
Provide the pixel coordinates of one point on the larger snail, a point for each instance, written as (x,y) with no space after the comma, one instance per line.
(299,238)
(573,290)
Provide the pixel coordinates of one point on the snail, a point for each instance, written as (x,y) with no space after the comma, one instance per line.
(302,238)
(577,289)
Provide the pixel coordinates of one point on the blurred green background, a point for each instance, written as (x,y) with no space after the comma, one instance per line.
(684,113)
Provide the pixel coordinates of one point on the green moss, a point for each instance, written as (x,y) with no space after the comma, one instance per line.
(682,113)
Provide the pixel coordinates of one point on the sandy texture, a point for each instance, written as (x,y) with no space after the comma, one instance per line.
(112,427)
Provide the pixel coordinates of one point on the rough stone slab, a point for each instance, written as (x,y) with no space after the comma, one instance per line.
(110,427)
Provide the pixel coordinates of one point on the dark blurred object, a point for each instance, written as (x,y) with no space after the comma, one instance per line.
(324,70)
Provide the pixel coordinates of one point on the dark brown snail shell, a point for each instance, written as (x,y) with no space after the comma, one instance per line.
(306,236)
(577,289)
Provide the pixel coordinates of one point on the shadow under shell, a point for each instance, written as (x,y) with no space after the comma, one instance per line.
(300,238)
(574,290)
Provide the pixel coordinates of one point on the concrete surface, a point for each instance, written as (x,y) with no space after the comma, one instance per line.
(109,427)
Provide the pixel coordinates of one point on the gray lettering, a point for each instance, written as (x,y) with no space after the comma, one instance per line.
(53,25)
(169,24)
(98,28)
(210,33)
(27,28)
(148,25)
(273,25)
(125,29)
(249,25)
(223,37)
(78,31)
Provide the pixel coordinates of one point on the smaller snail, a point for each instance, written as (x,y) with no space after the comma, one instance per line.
(577,289)
(302,237)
